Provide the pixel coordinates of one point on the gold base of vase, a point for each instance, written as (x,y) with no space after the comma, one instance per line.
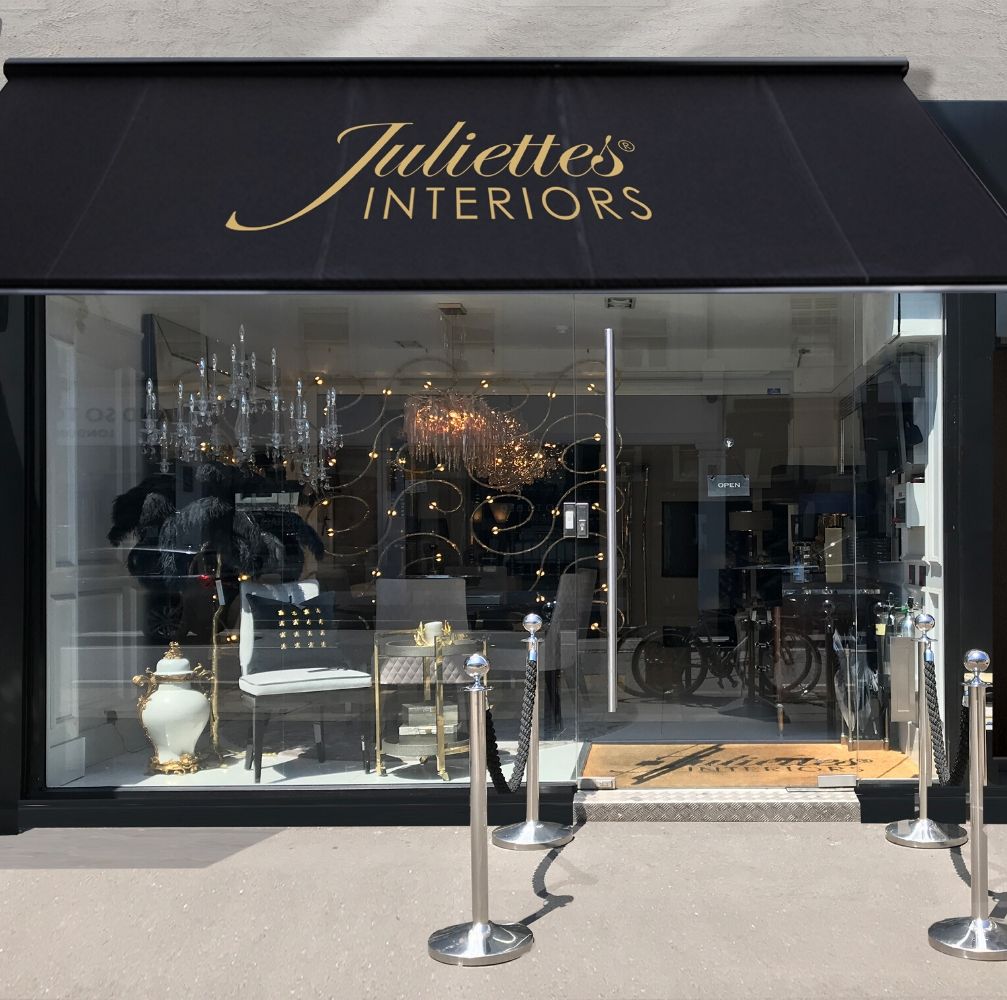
(186,764)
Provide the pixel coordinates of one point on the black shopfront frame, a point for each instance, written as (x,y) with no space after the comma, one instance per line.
(26,802)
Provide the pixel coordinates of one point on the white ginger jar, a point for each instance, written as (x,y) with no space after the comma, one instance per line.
(173,713)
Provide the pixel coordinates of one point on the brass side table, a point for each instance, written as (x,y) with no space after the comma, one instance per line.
(404,645)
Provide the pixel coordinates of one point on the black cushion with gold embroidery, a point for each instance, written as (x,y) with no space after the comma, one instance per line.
(292,636)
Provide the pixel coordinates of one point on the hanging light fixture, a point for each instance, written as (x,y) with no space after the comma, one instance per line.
(197,432)
(461,431)
(452,429)
(520,461)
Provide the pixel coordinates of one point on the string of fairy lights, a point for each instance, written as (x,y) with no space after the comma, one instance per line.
(231,414)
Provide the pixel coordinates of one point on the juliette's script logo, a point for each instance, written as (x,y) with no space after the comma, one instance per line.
(458,155)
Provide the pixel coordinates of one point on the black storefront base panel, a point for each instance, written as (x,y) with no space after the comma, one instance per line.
(419,806)
(885,801)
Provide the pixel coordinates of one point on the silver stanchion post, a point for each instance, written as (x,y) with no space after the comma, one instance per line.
(532,833)
(977,936)
(480,941)
(923,832)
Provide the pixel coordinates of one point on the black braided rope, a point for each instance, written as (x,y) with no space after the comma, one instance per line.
(962,756)
(947,774)
(936,725)
(500,782)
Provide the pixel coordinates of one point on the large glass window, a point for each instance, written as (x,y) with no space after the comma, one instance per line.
(302,514)
(318,506)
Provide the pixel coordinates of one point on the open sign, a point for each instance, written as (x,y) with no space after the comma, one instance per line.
(728,486)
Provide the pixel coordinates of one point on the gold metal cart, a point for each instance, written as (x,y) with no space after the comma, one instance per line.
(413,662)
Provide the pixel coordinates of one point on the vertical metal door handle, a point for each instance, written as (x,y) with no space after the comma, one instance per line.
(611,542)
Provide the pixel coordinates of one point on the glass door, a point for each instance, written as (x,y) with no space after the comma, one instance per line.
(733,540)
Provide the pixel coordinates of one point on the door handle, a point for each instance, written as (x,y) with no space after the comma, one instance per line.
(611,545)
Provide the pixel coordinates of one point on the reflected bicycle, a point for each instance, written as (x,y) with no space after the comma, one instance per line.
(674,663)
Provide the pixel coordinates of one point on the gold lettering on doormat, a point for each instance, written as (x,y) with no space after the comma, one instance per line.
(699,765)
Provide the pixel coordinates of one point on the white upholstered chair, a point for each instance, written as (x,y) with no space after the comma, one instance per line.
(313,683)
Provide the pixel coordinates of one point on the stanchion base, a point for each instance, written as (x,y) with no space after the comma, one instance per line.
(963,937)
(925,833)
(479,944)
(532,835)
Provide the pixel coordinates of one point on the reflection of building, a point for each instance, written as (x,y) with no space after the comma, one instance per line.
(787,468)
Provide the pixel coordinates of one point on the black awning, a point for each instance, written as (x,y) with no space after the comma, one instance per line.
(489,174)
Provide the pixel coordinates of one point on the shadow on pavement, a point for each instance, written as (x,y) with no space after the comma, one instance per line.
(961,868)
(551,900)
(125,848)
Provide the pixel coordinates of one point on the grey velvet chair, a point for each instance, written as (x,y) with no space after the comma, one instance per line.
(570,619)
(402,605)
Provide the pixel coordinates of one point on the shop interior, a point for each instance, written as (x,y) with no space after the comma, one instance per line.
(318,505)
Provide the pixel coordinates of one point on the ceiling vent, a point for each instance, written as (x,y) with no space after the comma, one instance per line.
(451,309)
(410,345)
(815,317)
(620,302)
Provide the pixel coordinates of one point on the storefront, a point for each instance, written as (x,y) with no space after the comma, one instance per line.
(307,370)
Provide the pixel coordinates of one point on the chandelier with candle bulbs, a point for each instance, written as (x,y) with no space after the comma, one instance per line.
(216,421)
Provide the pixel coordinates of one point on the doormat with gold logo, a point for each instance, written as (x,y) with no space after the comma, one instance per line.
(728,765)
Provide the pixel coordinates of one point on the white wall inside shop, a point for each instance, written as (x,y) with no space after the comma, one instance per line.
(92,377)
(956,48)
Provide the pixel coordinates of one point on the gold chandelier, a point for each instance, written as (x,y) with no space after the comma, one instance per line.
(519,460)
(451,429)
(461,431)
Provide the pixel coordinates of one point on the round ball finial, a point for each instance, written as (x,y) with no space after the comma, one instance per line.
(477,667)
(977,660)
(924,622)
(532,623)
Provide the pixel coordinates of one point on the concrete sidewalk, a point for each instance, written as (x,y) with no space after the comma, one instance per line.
(646,910)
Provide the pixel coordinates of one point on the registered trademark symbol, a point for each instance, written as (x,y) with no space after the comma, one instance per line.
(626,146)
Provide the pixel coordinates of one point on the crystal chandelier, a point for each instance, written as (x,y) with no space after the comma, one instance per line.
(202,427)
(459,431)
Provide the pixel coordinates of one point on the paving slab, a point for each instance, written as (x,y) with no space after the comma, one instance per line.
(643,910)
